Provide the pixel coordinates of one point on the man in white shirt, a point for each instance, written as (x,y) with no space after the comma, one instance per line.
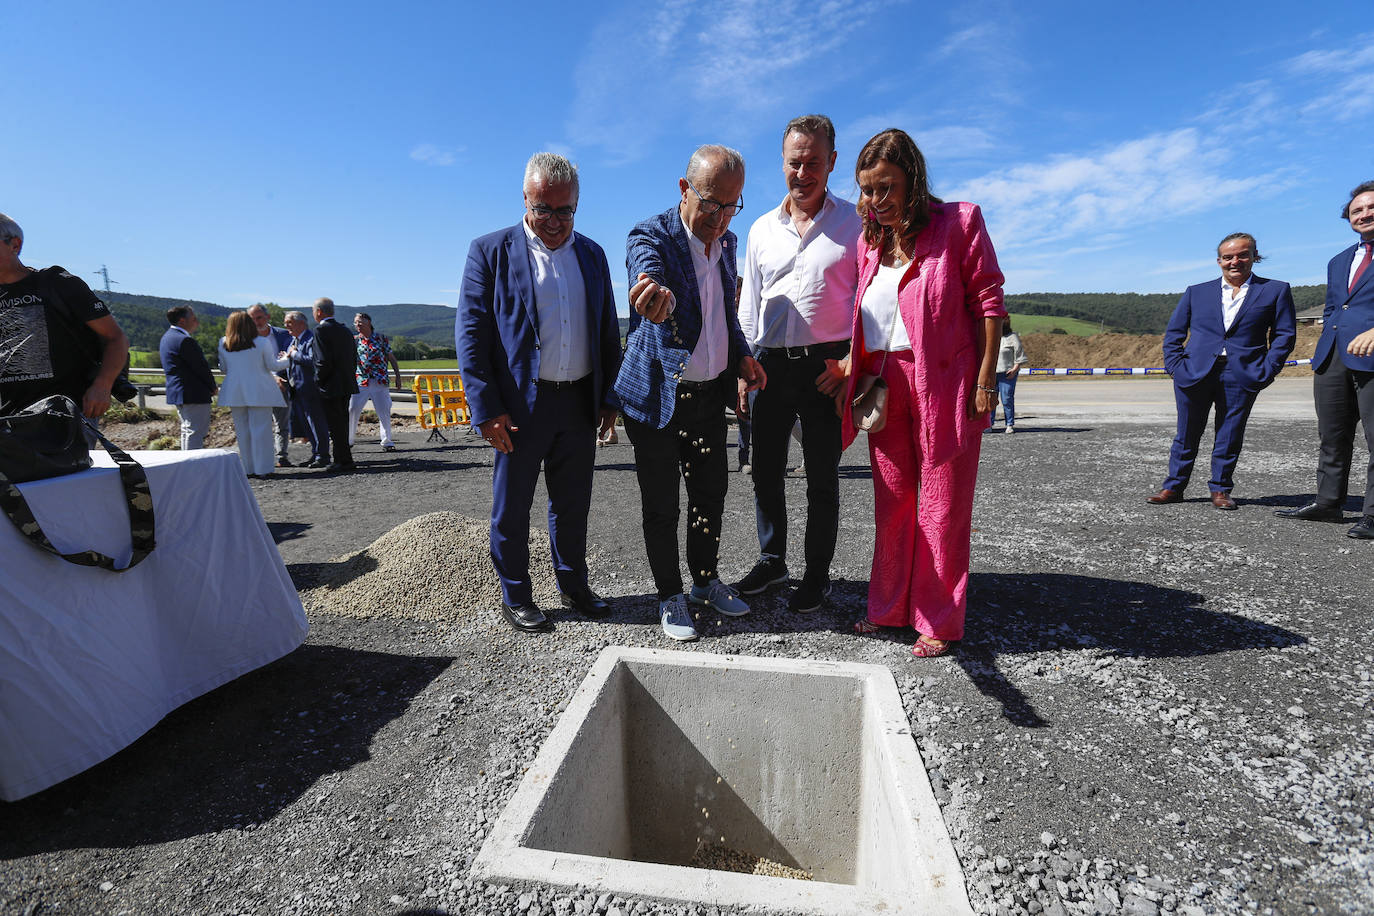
(1239,331)
(796,305)
(538,345)
(683,354)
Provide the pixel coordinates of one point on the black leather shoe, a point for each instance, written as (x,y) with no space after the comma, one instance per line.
(340,468)
(1364,529)
(284,463)
(586,602)
(319,463)
(1312,512)
(526,618)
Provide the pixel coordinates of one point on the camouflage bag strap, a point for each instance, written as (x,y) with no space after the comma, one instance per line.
(137,495)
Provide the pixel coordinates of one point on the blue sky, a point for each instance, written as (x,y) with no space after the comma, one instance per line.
(247,152)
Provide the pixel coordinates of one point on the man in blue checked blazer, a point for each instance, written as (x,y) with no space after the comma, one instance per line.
(1343,372)
(538,346)
(683,356)
(1239,331)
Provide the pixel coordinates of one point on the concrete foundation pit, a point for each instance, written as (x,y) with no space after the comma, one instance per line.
(806,764)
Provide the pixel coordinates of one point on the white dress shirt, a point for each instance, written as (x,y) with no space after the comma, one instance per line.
(713,346)
(1231,301)
(560,299)
(800,291)
(881,313)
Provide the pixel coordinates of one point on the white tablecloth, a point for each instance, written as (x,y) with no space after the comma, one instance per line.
(89,659)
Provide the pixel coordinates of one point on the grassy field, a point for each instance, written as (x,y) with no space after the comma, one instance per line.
(1044,324)
(432,365)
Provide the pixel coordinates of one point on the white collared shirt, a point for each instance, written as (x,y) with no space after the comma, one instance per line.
(560,299)
(800,291)
(1231,301)
(1355,262)
(713,346)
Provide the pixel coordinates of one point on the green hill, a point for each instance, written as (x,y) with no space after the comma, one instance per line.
(1133,313)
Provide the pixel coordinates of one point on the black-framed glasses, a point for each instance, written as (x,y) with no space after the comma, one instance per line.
(711,207)
(543,212)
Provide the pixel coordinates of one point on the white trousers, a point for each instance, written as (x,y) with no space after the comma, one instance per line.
(253,427)
(381,402)
(195,423)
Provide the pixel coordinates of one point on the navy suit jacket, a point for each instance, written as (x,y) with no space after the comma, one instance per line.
(656,354)
(1347,314)
(189,380)
(301,371)
(497,326)
(1257,344)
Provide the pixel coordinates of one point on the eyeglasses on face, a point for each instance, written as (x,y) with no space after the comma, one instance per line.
(711,207)
(543,213)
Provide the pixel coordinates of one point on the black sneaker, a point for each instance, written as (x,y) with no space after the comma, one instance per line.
(764,574)
(808,597)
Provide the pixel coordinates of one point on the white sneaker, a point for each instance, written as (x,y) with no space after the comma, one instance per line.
(720,597)
(1010,430)
(677,619)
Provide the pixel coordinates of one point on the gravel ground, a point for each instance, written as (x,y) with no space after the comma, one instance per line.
(1156,709)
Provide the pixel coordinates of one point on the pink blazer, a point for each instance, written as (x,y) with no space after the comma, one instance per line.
(951,285)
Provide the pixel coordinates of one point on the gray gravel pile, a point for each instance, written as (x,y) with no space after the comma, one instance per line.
(433,567)
(1155,709)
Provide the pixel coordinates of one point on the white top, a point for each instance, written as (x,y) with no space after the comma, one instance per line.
(1356,261)
(560,299)
(713,346)
(1231,301)
(880,312)
(1010,352)
(248,379)
(800,291)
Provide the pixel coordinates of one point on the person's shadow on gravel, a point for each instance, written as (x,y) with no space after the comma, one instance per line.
(1019,614)
(230,760)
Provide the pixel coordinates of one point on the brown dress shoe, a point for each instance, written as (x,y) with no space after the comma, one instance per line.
(1164,497)
(1222,500)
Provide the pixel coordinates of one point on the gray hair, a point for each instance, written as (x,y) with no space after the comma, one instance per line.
(710,154)
(293,316)
(9,229)
(551,169)
(1254,245)
(325,306)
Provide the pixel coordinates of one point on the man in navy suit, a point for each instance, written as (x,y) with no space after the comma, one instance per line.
(538,346)
(190,384)
(1239,330)
(683,355)
(307,410)
(336,359)
(1343,366)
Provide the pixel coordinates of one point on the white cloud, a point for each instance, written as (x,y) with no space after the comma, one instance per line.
(430,154)
(1358,54)
(646,68)
(1136,182)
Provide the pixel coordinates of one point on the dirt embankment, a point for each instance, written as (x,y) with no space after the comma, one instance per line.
(1068,351)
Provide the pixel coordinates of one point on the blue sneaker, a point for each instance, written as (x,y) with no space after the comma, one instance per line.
(677,619)
(719,597)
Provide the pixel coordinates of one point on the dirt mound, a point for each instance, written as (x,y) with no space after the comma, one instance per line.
(1063,351)
(432,567)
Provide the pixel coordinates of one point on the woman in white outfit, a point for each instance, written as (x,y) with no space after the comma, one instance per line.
(250,390)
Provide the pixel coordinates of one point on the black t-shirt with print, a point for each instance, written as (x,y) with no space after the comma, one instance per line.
(45,346)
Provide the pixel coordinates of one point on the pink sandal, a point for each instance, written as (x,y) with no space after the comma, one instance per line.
(930,647)
(865,627)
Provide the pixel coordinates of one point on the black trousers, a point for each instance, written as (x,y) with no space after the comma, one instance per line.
(1344,397)
(691,448)
(336,418)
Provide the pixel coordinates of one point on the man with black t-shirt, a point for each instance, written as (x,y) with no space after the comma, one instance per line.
(56,336)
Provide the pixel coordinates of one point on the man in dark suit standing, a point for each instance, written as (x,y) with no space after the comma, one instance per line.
(190,384)
(678,375)
(1239,331)
(1343,366)
(335,359)
(307,412)
(538,346)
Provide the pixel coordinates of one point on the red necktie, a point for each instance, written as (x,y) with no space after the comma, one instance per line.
(1364,265)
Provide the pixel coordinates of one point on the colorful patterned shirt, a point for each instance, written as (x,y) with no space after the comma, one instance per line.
(373,353)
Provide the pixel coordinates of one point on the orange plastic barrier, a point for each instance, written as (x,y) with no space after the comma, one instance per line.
(441,402)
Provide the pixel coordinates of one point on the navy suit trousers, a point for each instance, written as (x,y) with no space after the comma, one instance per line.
(560,437)
(307,415)
(1226,396)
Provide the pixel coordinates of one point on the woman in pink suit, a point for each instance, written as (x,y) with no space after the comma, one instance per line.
(928,320)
